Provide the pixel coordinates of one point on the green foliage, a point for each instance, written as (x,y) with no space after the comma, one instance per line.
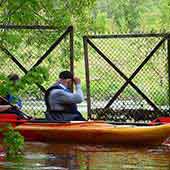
(134,15)
(64,62)
(126,15)
(4,85)
(37,75)
(13,141)
(123,16)
(7,86)
(44,12)
(100,23)
(120,15)
(60,14)
(164,15)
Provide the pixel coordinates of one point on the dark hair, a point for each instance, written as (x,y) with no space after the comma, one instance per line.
(66,75)
(13,77)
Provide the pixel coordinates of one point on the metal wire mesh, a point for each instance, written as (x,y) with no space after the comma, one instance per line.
(127,54)
(27,46)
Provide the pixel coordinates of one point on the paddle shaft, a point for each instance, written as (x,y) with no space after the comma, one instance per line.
(6,101)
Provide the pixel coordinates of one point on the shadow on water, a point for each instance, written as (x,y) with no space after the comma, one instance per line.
(43,156)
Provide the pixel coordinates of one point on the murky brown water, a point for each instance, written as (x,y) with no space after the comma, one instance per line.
(42,156)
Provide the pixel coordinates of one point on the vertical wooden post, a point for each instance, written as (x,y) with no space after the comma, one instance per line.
(71,51)
(168,53)
(85,43)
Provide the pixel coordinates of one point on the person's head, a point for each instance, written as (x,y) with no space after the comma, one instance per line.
(66,78)
(13,78)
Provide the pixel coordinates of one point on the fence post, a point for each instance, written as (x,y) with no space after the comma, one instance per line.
(87,76)
(71,51)
(168,53)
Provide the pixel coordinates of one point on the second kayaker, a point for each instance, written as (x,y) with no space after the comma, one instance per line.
(61,103)
(15,100)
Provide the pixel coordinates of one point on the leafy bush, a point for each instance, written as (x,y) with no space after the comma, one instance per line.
(35,76)
(13,141)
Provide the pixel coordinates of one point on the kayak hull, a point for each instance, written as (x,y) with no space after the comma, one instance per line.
(94,133)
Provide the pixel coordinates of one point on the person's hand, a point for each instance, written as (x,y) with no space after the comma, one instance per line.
(77,80)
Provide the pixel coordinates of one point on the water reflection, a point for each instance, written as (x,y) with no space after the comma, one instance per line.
(41,156)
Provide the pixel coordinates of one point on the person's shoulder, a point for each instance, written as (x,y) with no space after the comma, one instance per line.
(57,91)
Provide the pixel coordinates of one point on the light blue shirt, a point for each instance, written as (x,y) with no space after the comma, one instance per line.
(59,96)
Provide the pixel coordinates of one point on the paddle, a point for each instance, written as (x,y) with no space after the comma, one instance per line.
(8,103)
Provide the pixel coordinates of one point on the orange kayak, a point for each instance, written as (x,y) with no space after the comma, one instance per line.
(88,132)
(94,133)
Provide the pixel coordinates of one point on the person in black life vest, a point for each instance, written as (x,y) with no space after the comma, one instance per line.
(61,102)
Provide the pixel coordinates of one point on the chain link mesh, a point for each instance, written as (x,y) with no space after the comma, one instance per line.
(127,54)
(27,46)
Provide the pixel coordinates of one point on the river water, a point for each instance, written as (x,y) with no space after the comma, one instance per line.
(43,156)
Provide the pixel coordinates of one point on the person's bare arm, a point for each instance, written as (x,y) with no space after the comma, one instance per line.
(4,107)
